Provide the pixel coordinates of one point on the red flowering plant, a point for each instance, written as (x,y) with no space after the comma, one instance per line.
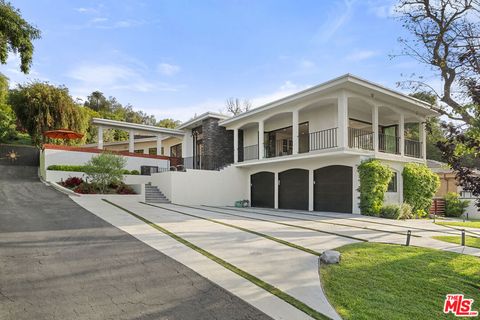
(72,182)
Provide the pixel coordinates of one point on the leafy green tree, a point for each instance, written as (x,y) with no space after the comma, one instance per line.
(104,170)
(40,106)
(419,186)
(16,36)
(7,116)
(374,179)
(168,123)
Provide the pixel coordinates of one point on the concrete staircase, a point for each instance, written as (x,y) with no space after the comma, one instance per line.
(153,195)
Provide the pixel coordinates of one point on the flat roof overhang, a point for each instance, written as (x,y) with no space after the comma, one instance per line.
(348,82)
(139,128)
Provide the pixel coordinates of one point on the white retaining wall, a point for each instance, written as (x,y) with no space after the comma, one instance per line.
(197,187)
(64,157)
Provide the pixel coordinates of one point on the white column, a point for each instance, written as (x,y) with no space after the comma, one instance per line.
(342,120)
(159,145)
(311,183)
(131,141)
(423,139)
(275,198)
(100,137)
(401,129)
(235,145)
(261,148)
(295,134)
(375,127)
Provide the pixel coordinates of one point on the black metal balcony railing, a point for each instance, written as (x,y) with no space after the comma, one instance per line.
(278,148)
(250,152)
(413,148)
(388,144)
(203,162)
(360,139)
(323,139)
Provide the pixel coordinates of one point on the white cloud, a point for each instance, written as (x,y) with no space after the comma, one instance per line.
(284,90)
(168,69)
(360,55)
(113,77)
(382,8)
(337,17)
(87,10)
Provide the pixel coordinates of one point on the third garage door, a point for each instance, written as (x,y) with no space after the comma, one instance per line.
(293,189)
(333,189)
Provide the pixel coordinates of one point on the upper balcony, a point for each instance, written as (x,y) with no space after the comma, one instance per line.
(340,121)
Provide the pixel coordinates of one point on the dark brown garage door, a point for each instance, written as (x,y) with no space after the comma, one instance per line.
(293,189)
(262,190)
(333,189)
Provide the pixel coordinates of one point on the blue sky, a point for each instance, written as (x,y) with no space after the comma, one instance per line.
(177,58)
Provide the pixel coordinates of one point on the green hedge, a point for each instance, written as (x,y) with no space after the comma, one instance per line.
(374,179)
(454,206)
(419,186)
(78,168)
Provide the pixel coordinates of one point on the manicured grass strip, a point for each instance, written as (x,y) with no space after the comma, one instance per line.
(275,222)
(266,236)
(317,221)
(258,282)
(466,224)
(473,242)
(380,281)
(347,218)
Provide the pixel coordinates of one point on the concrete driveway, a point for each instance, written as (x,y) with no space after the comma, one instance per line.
(59,261)
(279,247)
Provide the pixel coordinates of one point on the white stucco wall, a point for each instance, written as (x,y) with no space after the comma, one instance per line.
(250,136)
(56,176)
(197,187)
(319,118)
(63,157)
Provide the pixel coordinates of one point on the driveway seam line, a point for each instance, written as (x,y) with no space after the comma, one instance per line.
(257,281)
(317,221)
(333,217)
(284,242)
(276,222)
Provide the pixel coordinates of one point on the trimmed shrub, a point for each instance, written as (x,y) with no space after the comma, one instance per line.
(104,170)
(72,182)
(135,172)
(454,206)
(63,167)
(419,186)
(374,179)
(124,189)
(395,211)
(85,188)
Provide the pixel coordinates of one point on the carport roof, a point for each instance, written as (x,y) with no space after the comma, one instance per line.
(107,123)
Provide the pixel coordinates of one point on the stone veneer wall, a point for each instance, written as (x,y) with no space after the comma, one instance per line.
(217,143)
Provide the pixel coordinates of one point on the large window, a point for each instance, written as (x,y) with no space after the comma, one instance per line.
(176,151)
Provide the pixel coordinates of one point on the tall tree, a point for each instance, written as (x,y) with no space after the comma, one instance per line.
(168,123)
(16,36)
(40,106)
(236,106)
(7,116)
(445,36)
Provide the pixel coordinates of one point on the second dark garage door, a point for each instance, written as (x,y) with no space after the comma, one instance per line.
(293,189)
(333,189)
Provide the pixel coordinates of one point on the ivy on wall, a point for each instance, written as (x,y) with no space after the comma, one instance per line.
(419,186)
(374,179)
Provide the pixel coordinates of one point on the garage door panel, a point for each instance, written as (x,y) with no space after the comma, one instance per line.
(293,189)
(333,189)
(262,189)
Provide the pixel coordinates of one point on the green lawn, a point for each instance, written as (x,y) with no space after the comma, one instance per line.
(466,224)
(469,241)
(381,281)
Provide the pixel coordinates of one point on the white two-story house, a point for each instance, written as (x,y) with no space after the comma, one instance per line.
(301,152)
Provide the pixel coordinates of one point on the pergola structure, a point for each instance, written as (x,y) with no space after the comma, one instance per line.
(133,128)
